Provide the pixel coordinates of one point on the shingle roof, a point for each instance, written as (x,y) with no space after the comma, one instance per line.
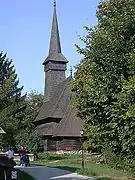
(55,53)
(46,129)
(58,103)
(59,57)
(60,106)
(70,125)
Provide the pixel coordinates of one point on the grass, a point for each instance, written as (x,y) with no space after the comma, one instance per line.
(24,176)
(72,162)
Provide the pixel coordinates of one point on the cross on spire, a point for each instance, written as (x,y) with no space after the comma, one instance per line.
(54,3)
(71,71)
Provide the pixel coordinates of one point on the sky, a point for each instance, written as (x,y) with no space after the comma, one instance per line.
(25,27)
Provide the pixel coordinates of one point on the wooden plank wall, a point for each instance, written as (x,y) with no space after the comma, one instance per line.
(63,144)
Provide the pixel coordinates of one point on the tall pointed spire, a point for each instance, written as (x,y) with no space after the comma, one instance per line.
(55,46)
(55,64)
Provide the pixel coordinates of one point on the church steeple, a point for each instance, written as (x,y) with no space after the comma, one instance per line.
(55,53)
(55,46)
(55,63)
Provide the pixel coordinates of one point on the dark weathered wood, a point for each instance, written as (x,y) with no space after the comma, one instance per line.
(51,145)
(55,63)
(65,144)
(57,120)
(69,144)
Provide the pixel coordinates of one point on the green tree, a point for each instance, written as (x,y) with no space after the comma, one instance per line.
(11,102)
(104,80)
(29,140)
(27,135)
(34,102)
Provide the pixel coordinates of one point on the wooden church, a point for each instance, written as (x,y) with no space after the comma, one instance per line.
(57,120)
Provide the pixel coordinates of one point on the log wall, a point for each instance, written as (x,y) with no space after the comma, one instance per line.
(65,144)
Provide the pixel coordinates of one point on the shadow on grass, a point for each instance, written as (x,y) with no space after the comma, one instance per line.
(92,173)
(87,172)
(52,157)
(104,178)
(72,169)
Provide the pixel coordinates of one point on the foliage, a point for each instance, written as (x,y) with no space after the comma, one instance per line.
(32,141)
(27,136)
(11,102)
(118,161)
(33,101)
(105,78)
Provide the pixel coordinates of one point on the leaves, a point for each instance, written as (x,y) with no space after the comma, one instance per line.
(29,140)
(104,80)
(33,102)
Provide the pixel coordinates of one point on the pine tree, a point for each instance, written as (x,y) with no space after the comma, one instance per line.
(11,101)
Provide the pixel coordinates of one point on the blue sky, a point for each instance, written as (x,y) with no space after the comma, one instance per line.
(25,34)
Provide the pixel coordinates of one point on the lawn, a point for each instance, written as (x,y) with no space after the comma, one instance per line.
(72,162)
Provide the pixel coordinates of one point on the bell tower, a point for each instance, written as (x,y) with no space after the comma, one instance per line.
(55,63)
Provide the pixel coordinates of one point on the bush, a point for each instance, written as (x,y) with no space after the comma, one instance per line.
(32,141)
(119,162)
